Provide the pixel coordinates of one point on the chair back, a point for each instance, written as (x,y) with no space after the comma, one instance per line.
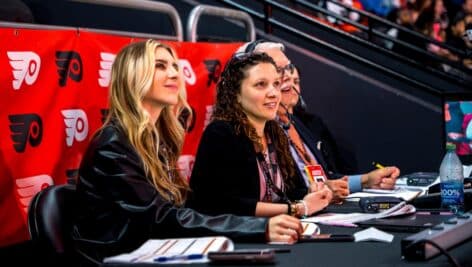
(50,221)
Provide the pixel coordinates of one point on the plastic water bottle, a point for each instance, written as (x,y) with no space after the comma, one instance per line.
(451,176)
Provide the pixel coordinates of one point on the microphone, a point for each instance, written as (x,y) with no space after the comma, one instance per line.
(301,102)
(285,125)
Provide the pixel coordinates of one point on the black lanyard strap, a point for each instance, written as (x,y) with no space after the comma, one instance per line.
(270,177)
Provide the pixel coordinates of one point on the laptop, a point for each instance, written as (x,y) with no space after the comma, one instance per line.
(412,223)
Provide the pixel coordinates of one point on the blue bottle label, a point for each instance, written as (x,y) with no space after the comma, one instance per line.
(452,193)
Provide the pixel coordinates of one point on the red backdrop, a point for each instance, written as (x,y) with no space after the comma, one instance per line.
(53,97)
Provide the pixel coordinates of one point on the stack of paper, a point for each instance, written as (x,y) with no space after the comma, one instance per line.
(400,192)
(177,250)
(349,219)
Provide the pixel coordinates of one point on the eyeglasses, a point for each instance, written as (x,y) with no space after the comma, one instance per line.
(289,68)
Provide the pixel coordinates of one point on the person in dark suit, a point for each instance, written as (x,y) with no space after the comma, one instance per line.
(243,165)
(311,144)
(129,188)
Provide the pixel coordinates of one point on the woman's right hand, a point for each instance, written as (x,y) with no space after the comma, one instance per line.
(284,228)
(318,200)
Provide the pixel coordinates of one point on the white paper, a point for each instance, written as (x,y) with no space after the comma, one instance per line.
(309,228)
(467,170)
(349,219)
(176,247)
(373,234)
(400,192)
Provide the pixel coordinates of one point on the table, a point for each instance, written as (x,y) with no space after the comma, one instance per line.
(348,253)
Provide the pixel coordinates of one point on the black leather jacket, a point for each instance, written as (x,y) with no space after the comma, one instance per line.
(119,209)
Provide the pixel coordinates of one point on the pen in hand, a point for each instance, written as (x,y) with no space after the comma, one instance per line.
(378,165)
(179,258)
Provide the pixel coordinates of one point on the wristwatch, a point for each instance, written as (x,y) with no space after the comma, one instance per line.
(293,209)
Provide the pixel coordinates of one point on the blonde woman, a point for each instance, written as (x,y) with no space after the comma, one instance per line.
(129,188)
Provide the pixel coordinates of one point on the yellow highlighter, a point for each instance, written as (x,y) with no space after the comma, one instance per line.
(378,165)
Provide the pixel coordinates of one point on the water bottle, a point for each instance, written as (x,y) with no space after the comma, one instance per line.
(452,181)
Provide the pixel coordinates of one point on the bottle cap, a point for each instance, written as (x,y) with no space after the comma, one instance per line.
(450,146)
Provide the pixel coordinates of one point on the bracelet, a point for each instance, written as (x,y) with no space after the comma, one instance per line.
(305,208)
(289,208)
(294,209)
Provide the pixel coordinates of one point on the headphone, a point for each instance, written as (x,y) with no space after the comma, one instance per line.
(252,45)
(285,125)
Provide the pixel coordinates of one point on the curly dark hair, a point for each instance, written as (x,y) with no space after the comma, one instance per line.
(227,108)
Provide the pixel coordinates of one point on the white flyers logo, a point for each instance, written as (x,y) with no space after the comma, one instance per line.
(76,125)
(26,65)
(27,187)
(106,61)
(187,71)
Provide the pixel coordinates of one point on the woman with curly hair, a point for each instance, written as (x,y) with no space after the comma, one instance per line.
(243,164)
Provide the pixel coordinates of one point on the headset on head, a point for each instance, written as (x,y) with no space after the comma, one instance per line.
(252,45)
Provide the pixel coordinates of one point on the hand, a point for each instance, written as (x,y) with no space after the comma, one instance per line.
(384,178)
(316,201)
(315,186)
(340,188)
(284,228)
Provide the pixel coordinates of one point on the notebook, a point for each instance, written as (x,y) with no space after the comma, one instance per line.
(174,250)
(412,223)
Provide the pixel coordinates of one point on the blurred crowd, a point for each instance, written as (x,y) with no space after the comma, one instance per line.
(445,21)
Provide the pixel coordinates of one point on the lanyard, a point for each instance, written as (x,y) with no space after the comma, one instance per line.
(300,150)
(268,176)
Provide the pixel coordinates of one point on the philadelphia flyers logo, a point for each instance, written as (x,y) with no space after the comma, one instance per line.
(25,128)
(69,65)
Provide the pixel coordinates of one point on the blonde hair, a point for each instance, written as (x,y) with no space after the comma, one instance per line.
(131,78)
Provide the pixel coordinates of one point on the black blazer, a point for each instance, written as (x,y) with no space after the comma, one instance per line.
(225,176)
(119,209)
(319,139)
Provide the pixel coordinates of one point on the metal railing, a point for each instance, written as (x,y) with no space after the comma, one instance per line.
(147,5)
(371,30)
(272,18)
(198,11)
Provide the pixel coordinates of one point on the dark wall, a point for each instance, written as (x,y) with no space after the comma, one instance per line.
(372,116)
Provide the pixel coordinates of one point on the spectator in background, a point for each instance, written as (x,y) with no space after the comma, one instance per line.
(456,33)
(430,18)
(381,8)
(15,11)
(454,7)
(243,164)
(129,187)
(407,17)
(467,7)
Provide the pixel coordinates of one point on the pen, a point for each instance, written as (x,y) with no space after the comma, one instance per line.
(378,165)
(179,258)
